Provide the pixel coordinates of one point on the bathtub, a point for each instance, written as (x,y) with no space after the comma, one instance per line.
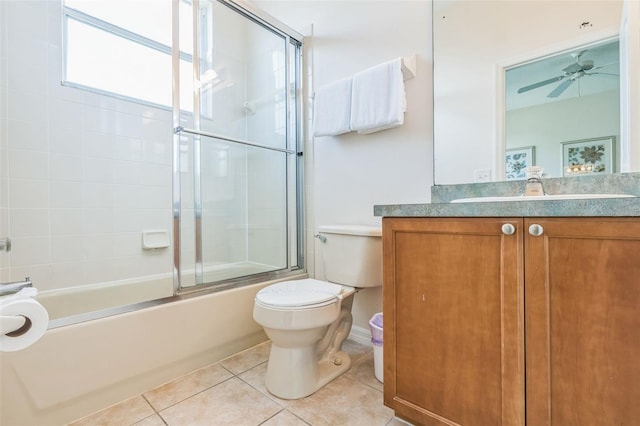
(70,301)
(75,370)
(86,300)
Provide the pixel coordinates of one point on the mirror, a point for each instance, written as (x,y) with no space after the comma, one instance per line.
(567,107)
(477,44)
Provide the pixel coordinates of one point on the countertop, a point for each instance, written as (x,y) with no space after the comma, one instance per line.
(441,195)
(607,207)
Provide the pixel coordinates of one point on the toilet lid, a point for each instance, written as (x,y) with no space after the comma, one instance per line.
(298,293)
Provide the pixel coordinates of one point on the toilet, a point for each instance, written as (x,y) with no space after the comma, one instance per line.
(308,320)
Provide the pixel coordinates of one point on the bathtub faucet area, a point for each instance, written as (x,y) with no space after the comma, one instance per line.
(14,287)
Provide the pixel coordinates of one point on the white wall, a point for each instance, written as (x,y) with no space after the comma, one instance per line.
(352,172)
(547,126)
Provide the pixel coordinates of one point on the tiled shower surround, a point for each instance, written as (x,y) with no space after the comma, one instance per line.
(82,174)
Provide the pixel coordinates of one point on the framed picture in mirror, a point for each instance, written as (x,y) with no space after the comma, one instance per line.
(517,160)
(588,156)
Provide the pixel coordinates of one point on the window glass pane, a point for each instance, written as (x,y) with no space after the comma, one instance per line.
(185,27)
(129,14)
(118,65)
(186,86)
(123,67)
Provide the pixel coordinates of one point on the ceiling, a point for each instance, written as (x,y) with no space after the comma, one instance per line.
(605,57)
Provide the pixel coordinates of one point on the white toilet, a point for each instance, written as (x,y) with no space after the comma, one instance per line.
(307,320)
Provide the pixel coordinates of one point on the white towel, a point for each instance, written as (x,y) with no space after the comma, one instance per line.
(332,109)
(378,99)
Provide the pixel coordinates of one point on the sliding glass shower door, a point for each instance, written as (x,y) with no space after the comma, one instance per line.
(240,159)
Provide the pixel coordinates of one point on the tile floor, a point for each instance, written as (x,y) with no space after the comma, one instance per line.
(232,392)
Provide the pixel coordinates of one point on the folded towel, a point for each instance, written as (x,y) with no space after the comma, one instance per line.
(332,109)
(378,99)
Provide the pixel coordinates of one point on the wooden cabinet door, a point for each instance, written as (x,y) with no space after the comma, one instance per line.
(453,321)
(582,280)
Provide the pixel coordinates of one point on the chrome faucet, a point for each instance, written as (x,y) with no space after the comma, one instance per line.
(14,287)
(534,182)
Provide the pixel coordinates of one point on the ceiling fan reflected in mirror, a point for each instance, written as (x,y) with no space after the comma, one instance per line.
(570,74)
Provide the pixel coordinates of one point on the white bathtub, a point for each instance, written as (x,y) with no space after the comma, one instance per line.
(88,298)
(78,369)
(70,301)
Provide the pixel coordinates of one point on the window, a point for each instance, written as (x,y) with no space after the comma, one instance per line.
(109,49)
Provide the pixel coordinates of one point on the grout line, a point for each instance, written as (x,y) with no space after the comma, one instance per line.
(190,396)
(154,410)
(269,418)
(268,395)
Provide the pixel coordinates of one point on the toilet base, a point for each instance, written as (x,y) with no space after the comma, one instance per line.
(294,373)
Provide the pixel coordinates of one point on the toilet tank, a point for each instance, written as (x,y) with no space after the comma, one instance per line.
(352,254)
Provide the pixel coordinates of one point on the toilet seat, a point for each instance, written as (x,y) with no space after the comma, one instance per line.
(302,294)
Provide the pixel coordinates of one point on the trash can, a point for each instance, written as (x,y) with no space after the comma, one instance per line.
(375,324)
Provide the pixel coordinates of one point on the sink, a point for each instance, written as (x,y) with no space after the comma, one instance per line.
(540,198)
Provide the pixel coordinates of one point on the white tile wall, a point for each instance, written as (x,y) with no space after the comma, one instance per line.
(87,173)
(24,135)
(65,194)
(26,107)
(27,251)
(66,141)
(65,167)
(29,223)
(28,164)
(81,174)
(67,222)
(28,193)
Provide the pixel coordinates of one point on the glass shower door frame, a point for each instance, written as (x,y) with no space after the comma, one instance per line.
(293,147)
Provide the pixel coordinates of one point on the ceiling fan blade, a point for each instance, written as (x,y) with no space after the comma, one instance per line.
(561,88)
(570,69)
(603,66)
(608,74)
(540,84)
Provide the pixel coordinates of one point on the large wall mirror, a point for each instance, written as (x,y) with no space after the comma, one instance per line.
(527,82)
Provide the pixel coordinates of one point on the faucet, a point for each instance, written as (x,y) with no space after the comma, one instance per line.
(534,182)
(14,287)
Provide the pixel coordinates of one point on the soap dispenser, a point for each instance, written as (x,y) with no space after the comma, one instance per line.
(534,182)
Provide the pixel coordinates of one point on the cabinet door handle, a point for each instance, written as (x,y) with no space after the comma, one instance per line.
(536,230)
(508,229)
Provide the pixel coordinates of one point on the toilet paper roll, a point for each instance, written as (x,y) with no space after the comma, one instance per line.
(35,325)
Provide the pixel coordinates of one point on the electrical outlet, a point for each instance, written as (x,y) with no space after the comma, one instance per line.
(482,175)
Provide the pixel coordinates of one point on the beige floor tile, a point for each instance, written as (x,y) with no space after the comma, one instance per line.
(356,349)
(255,377)
(397,422)
(284,418)
(177,390)
(245,360)
(343,402)
(126,412)
(154,420)
(232,402)
(362,370)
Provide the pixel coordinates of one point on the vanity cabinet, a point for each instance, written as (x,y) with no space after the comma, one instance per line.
(486,319)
